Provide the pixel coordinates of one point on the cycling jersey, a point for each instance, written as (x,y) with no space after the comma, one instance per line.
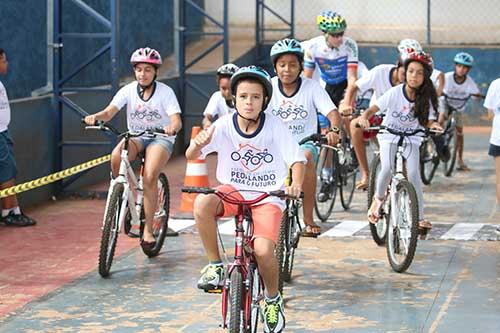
(332,62)
(258,161)
(217,106)
(492,101)
(378,79)
(298,111)
(458,90)
(4,108)
(153,113)
(399,114)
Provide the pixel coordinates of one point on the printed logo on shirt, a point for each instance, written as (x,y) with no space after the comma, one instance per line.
(143,111)
(289,111)
(251,158)
(405,116)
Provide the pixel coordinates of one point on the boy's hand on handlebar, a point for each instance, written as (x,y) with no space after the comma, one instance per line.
(90,120)
(436,127)
(169,130)
(293,190)
(332,138)
(204,137)
(345,110)
(363,122)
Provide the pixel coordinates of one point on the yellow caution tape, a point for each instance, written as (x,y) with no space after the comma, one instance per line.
(53,177)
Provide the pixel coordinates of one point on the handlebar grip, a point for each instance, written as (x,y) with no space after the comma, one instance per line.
(281,194)
(194,189)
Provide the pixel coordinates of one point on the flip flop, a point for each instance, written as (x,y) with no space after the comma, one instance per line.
(309,231)
(362,185)
(463,167)
(424,224)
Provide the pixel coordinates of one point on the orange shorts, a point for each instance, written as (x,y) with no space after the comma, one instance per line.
(266,217)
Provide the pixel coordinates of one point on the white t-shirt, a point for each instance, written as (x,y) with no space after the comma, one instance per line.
(399,114)
(378,79)
(153,113)
(492,101)
(434,77)
(332,63)
(253,162)
(299,111)
(455,90)
(4,108)
(217,106)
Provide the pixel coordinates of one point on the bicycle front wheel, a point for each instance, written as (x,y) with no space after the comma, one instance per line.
(292,241)
(347,180)
(326,183)
(235,302)
(452,147)
(257,294)
(280,248)
(379,230)
(110,230)
(402,233)
(160,220)
(429,161)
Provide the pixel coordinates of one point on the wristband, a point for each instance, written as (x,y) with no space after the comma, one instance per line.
(335,129)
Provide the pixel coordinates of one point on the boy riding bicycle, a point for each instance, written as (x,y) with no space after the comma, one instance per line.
(249,131)
(150,105)
(221,101)
(295,102)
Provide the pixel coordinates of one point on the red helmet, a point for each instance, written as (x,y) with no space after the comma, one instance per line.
(146,55)
(420,56)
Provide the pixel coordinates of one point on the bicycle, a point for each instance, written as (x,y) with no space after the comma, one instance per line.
(399,210)
(450,133)
(243,287)
(336,168)
(124,203)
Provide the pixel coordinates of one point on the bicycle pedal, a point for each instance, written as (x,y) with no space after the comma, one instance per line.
(214,291)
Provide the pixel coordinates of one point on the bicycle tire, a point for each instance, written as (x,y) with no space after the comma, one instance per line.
(256,295)
(160,225)
(347,181)
(452,146)
(280,248)
(235,302)
(324,209)
(292,241)
(109,235)
(394,228)
(379,230)
(429,161)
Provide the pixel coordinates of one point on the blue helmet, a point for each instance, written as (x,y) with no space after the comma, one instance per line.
(464,58)
(286,46)
(257,73)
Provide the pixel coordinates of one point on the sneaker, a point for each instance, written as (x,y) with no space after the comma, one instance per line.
(212,277)
(323,193)
(274,317)
(17,220)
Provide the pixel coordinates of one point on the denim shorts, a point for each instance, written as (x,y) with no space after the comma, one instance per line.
(8,169)
(159,140)
(494,150)
(313,149)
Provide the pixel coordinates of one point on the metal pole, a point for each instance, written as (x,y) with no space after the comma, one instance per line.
(257,29)
(50,52)
(114,10)
(177,27)
(226,33)
(292,19)
(429,22)
(58,106)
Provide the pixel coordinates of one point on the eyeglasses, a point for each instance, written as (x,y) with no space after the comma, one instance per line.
(337,35)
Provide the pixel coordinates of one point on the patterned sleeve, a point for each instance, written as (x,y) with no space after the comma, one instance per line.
(352,57)
(309,61)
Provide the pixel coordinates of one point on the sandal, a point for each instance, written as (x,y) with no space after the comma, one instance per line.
(374,211)
(424,224)
(463,167)
(362,185)
(311,230)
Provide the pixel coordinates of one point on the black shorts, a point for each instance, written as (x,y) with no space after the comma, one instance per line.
(336,91)
(494,150)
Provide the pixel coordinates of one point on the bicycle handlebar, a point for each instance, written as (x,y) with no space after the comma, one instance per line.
(315,138)
(104,126)
(227,196)
(426,131)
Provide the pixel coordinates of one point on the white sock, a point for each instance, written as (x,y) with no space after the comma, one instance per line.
(16,210)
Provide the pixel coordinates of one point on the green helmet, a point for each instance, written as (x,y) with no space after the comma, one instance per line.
(331,22)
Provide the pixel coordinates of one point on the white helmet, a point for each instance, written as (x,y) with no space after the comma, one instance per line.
(409,45)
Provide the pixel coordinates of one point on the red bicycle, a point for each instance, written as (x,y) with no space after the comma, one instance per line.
(243,288)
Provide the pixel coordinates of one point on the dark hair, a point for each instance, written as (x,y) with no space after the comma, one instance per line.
(251,80)
(2,52)
(425,96)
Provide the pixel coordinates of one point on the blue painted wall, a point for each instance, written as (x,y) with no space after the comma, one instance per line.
(23,36)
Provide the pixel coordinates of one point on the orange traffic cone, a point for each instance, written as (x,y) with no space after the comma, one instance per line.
(196,175)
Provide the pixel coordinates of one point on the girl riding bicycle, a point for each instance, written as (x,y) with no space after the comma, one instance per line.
(408,106)
(150,105)
(221,102)
(248,130)
(295,102)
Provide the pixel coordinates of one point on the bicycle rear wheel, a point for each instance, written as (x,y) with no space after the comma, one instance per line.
(235,302)
(110,230)
(452,147)
(326,183)
(347,178)
(402,232)
(429,160)
(379,230)
(280,249)
(160,221)
(292,241)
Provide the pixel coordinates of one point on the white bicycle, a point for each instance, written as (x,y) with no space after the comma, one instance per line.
(124,204)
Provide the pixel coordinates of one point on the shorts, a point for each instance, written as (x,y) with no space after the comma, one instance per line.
(8,168)
(494,150)
(313,149)
(336,91)
(266,217)
(159,140)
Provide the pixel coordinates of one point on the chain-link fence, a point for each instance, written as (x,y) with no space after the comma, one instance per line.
(453,22)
